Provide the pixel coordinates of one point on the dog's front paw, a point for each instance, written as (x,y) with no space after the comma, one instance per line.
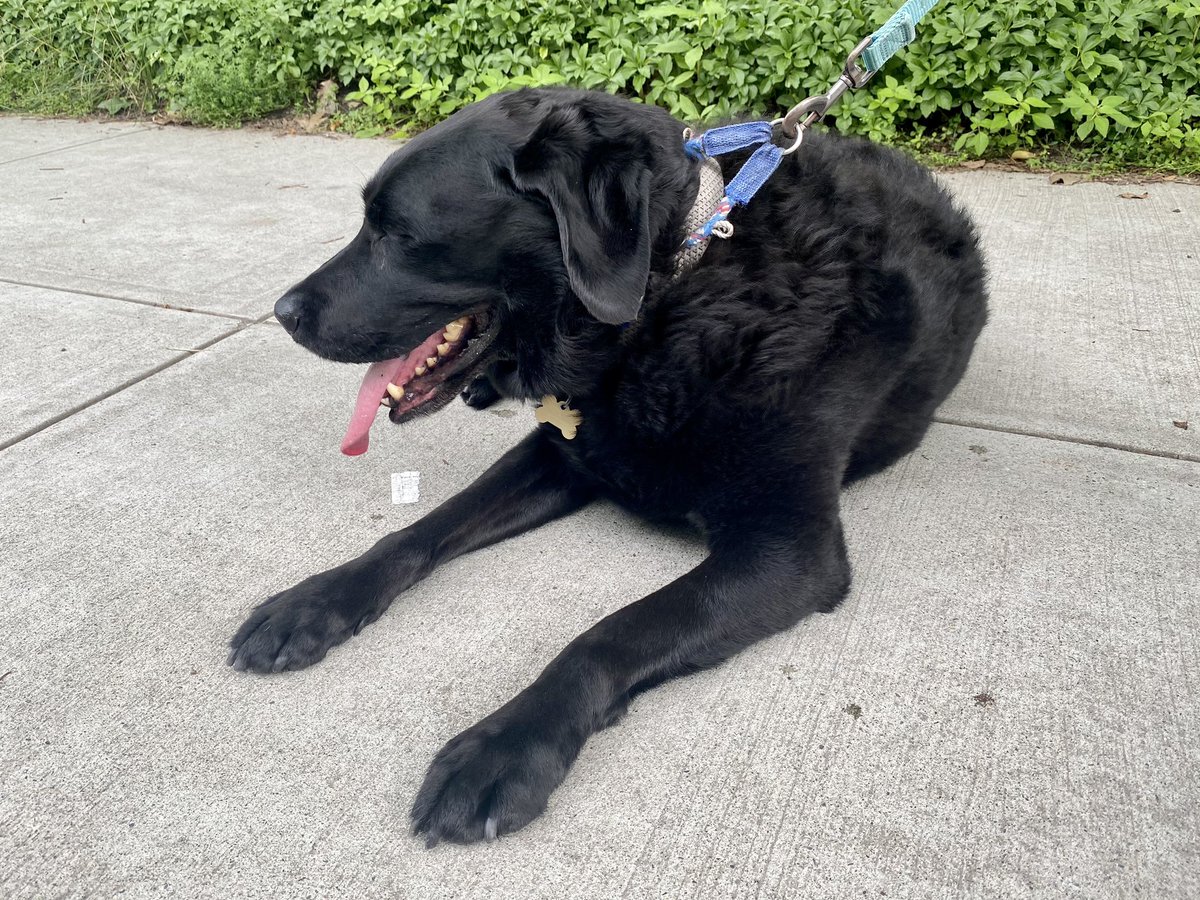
(296,628)
(495,777)
(480,393)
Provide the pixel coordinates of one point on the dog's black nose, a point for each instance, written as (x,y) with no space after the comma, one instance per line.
(287,311)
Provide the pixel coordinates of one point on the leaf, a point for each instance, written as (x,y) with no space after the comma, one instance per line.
(1021,155)
(973,164)
(999,95)
(663,12)
(1120,118)
(688,108)
(678,45)
(1129,195)
(1067,178)
(114,105)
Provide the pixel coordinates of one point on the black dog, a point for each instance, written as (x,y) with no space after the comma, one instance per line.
(530,238)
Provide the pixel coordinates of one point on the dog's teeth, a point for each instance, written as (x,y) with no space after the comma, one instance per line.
(453,331)
(420,370)
(395,392)
(431,362)
(388,402)
(443,349)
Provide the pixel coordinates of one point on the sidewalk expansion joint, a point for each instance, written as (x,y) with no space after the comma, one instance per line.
(1067,439)
(107,137)
(149,373)
(155,304)
(242,324)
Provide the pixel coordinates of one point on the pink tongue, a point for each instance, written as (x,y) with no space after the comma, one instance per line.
(374,386)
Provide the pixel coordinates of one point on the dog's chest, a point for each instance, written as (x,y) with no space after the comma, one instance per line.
(654,474)
(670,431)
(640,480)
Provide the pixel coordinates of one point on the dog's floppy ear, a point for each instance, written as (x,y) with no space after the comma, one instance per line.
(599,190)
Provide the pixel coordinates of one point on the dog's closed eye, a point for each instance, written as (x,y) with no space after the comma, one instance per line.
(399,237)
(385,221)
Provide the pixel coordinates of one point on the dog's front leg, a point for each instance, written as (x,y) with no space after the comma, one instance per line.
(528,486)
(496,776)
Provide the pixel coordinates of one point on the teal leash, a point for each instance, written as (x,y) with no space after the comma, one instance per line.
(861,65)
(895,34)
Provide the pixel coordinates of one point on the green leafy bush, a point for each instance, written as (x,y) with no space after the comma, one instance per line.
(1112,77)
(222,84)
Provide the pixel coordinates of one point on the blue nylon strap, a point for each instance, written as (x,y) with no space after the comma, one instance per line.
(754,171)
(897,32)
(727,138)
(758,168)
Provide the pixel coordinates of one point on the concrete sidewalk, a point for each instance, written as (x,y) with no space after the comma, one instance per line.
(1007,705)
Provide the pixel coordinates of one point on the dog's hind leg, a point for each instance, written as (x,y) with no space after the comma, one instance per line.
(901,420)
(897,429)
(769,566)
(527,487)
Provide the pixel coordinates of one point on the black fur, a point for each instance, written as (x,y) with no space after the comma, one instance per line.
(809,350)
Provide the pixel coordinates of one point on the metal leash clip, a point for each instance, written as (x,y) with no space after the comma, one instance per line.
(811,110)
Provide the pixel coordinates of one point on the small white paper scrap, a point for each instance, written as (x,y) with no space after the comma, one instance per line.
(406,487)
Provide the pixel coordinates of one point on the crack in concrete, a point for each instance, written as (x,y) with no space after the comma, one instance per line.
(245,323)
(116,389)
(1068,439)
(107,137)
(155,304)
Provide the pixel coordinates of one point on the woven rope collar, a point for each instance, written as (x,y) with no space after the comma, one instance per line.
(709,194)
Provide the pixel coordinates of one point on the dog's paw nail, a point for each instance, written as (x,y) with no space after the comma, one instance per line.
(431,841)
(489,828)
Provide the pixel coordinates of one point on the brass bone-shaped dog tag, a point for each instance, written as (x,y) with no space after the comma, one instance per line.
(559,414)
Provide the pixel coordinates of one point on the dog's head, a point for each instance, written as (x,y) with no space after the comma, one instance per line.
(520,231)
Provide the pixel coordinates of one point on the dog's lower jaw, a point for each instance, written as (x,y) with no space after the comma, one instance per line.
(567,355)
(474,358)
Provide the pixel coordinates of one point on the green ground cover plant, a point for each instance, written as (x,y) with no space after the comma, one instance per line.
(1110,79)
